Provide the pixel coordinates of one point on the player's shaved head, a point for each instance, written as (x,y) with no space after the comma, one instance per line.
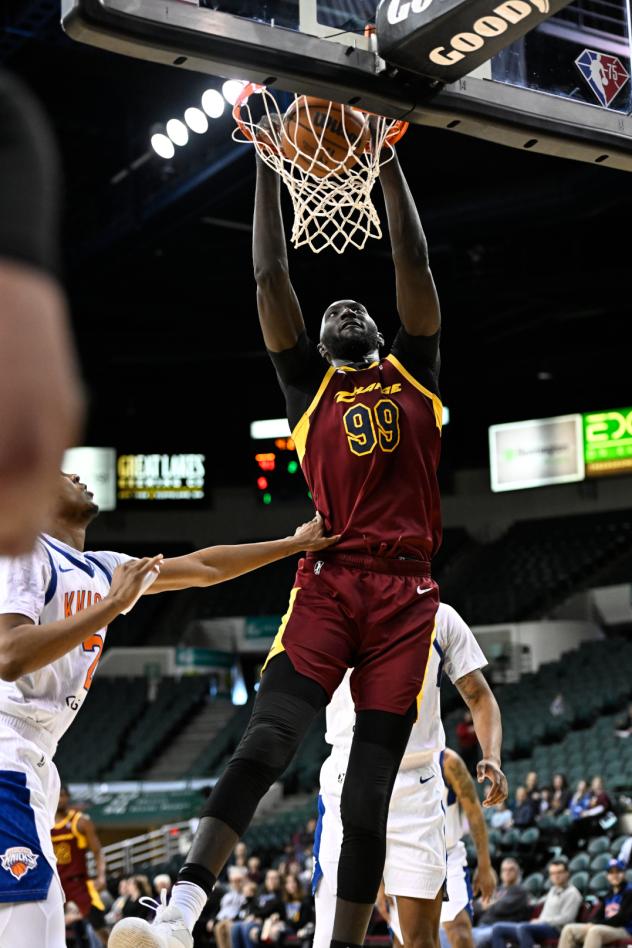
(348,333)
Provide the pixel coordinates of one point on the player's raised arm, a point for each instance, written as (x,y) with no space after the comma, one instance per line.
(279,310)
(486,719)
(417,300)
(216,564)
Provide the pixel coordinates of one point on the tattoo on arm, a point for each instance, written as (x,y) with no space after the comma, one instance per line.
(461,780)
(471,686)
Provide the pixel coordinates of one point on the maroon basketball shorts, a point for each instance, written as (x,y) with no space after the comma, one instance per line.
(372,614)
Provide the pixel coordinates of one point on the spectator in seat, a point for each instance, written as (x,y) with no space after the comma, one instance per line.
(614,920)
(561,795)
(304,840)
(524,809)
(246,914)
(297,912)
(533,789)
(468,742)
(580,799)
(557,708)
(545,801)
(254,869)
(240,855)
(137,887)
(510,903)
(229,908)
(561,905)
(267,902)
(623,727)
(502,817)
(162,883)
(587,823)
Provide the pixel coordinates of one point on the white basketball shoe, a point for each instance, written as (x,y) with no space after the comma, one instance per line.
(167,930)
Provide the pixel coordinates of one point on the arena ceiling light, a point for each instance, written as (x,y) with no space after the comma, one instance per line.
(162,145)
(177,132)
(213,103)
(232,88)
(196,120)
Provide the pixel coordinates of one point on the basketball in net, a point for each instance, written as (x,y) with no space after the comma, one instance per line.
(322,136)
(329,157)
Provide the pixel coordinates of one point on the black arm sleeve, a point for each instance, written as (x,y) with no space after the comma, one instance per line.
(29,180)
(420,356)
(300,371)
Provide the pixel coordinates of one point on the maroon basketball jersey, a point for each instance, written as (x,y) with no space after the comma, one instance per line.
(369,445)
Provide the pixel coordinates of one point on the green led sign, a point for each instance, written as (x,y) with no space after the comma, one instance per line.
(608,442)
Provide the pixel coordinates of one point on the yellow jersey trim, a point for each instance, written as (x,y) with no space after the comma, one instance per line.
(95,898)
(301,430)
(353,368)
(82,841)
(420,696)
(436,401)
(277,646)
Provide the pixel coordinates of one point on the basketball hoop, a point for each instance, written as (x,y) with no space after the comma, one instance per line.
(332,201)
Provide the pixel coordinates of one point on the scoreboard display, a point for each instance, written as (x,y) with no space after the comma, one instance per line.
(277,472)
(161,477)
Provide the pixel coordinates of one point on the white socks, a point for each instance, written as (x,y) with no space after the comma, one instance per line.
(190,899)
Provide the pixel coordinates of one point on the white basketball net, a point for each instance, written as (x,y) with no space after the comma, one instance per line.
(332,205)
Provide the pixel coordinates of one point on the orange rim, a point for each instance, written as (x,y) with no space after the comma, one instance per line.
(397,130)
(243,96)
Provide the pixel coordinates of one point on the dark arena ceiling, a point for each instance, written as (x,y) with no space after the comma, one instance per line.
(530,255)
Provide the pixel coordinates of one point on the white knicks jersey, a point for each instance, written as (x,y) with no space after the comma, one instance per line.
(51,583)
(453,650)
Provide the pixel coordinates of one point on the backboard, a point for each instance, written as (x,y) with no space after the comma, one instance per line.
(563,89)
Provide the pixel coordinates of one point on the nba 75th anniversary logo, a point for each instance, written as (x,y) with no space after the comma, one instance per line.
(606,75)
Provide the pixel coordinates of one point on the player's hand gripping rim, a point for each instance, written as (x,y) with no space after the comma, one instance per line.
(311,536)
(130,580)
(488,770)
(269,131)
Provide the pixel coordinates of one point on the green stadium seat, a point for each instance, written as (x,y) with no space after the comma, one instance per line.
(599,845)
(600,862)
(529,838)
(579,863)
(598,884)
(580,881)
(534,884)
(510,839)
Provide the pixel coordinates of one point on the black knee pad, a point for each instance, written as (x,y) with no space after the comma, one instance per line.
(378,745)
